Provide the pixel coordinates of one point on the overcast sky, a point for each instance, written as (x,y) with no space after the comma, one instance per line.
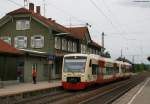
(125,23)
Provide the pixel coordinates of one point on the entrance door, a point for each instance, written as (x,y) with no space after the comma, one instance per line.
(20,71)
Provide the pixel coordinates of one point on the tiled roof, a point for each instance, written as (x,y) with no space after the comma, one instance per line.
(77,32)
(6,48)
(95,44)
(80,32)
(38,16)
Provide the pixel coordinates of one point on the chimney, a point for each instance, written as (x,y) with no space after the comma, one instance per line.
(50,19)
(38,10)
(31,7)
(53,21)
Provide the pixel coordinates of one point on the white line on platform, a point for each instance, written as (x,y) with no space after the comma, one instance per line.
(139,91)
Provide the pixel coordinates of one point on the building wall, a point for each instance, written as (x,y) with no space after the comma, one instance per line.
(41,69)
(8,67)
(36,28)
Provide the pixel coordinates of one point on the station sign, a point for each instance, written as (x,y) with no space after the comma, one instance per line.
(51,57)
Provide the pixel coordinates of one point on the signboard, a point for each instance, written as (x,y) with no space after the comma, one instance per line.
(51,57)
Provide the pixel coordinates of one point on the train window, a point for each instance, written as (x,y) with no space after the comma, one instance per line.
(116,69)
(94,69)
(74,64)
(109,70)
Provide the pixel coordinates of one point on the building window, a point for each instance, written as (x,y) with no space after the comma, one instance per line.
(57,43)
(96,52)
(99,52)
(74,47)
(20,42)
(64,44)
(22,24)
(70,47)
(83,48)
(6,39)
(88,50)
(37,41)
(93,51)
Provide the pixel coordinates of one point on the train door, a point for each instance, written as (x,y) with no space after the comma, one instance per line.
(94,69)
(101,65)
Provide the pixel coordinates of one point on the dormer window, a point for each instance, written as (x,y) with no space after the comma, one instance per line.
(20,42)
(7,39)
(22,24)
(37,41)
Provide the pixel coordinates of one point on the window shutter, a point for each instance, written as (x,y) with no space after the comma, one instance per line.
(42,41)
(16,41)
(32,42)
(25,42)
(56,42)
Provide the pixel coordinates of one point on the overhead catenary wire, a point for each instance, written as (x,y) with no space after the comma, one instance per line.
(12,1)
(108,19)
(67,13)
(113,16)
(101,12)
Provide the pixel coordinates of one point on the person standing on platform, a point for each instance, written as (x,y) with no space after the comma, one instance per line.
(34,74)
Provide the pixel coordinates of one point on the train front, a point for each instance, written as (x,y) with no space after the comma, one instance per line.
(73,72)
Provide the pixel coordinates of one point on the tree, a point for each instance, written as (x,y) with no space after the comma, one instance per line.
(106,54)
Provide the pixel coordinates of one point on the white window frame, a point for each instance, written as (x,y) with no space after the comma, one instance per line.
(74,45)
(70,46)
(6,39)
(18,41)
(83,48)
(90,50)
(64,44)
(37,43)
(22,24)
(93,51)
(57,42)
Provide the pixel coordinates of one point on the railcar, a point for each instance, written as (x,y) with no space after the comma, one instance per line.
(82,70)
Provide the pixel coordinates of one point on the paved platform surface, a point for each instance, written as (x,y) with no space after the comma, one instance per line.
(27,87)
(138,95)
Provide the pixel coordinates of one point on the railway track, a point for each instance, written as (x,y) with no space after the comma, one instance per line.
(102,94)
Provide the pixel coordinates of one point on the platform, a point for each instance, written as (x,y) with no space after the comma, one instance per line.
(27,87)
(138,95)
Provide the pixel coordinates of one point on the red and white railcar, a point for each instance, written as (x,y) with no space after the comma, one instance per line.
(82,70)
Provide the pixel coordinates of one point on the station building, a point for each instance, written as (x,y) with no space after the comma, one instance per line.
(8,62)
(43,42)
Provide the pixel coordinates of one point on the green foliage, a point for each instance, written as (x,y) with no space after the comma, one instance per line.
(141,67)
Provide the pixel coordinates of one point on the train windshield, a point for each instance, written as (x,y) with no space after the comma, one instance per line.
(74,64)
